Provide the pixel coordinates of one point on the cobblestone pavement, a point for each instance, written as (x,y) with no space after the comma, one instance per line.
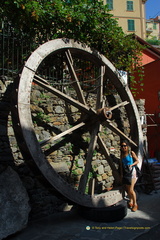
(142,224)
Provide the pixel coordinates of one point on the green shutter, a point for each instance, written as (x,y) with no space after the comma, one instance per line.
(154,26)
(129,5)
(131,26)
(110,4)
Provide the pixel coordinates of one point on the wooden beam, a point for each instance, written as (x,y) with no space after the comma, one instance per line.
(76,83)
(122,104)
(91,148)
(63,96)
(110,125)
(108,158)
(58,136)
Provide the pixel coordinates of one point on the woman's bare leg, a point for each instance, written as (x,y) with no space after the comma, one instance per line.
(131,192)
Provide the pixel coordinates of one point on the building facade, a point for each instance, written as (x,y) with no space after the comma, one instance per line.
(153,28)
(130,15)
(151,94)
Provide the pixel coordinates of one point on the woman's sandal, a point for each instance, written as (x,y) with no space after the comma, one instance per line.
(134,208)
(130,205)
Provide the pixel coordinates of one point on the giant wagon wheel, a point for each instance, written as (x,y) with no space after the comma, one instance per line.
(76,83)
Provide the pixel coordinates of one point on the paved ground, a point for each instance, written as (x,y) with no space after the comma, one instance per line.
(141,225)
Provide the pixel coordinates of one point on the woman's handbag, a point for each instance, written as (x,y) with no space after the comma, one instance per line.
(127,175)
(138,171)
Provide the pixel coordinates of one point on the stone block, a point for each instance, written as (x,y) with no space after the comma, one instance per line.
(107,168)
(49,109)
(59,109)
(74,109)
(110,173)
(104,162)
(14,203)
(99,178)
(104,176)
(60,167)
(111,137)
(78,171)
(96,163)
(100,169)
(80,163)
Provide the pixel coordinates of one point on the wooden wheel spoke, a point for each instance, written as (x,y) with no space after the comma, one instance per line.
(75,84)
(57,137)
(91,148)
(108,124)
(57,145)
(122,104)
(41,82)
(106,153)
(99,101)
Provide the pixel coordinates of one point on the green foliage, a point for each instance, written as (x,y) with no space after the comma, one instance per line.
(74,172)
(94,152)
(153,41)
(86,21)
(45,96)
(40,116)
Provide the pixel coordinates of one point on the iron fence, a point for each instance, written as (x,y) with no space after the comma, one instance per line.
(15,48)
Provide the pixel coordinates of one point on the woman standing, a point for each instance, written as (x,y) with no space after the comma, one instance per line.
(129,161)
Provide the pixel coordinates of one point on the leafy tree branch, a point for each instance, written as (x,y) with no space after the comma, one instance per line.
(88,21)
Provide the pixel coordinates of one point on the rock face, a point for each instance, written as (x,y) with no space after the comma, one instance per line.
(14,206)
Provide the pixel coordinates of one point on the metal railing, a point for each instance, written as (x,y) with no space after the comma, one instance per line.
(15,49)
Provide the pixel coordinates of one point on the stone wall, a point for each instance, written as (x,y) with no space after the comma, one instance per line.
(43,198)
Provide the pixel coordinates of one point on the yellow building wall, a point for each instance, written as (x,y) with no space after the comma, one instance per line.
(138,15)
(151,32)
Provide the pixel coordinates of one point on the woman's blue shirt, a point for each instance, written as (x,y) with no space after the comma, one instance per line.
(128,160)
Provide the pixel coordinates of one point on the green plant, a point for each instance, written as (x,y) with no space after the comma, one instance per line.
(153,41)
(44,95)
(70,147)
(94,152)
(74,172)
(40,116)
(47,146)
(37,102)
(87,21)
(90,175)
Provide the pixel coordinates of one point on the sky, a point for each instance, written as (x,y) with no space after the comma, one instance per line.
(152,8)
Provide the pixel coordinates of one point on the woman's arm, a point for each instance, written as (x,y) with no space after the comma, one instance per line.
(134,156)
